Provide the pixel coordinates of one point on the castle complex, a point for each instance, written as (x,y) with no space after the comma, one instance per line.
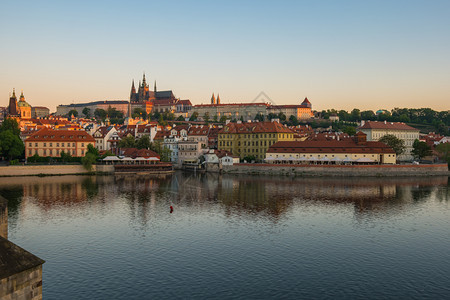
(156,101)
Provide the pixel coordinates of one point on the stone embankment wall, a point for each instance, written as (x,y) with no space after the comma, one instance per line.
(23,285)
(3,217)
(52,170)
(335,170)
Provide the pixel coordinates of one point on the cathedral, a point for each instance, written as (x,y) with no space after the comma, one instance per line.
(156,101)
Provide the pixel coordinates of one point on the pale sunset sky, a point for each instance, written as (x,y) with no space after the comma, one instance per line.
(340,54)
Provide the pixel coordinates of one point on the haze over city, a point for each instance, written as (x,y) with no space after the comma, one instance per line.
(339,54)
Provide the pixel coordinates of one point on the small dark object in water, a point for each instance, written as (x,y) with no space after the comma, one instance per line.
(171,209)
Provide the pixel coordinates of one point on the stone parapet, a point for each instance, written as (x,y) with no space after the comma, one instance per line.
(52,170)
(336,170)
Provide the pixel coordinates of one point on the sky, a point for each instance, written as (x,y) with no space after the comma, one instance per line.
(340,54)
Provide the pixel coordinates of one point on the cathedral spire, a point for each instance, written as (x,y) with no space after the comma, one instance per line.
(143,80)
(22,97)
(14,93)
(213,99)
(155,87)
(218,99)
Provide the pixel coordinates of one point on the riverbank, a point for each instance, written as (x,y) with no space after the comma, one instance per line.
(54,170)
(338,170)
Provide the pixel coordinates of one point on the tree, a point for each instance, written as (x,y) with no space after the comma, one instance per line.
(420,149)
(180,118)
(194,116)
(139,113)
(66,157)
(206,117)
(259,117)
(127,142)
(12,125)
(100,114)
(143,142)
(350,130)
(223,119)
(86,111)
(11,146)
(444,151)
(90,158)
(395,143)
(73,112)
(293,120)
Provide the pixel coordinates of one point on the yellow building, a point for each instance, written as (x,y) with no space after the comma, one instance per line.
(301,112)
(348,151)
(252,139)
(48,142)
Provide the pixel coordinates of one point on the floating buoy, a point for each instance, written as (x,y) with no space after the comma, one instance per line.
(171,209)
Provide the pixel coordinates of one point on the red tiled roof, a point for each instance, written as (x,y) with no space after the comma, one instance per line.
(386,126)
(134,152)
(46,134)
(347,146)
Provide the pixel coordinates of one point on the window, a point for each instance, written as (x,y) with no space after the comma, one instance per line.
(51,144)
(73,144)
(35,144)
(45,144)
(82,145)
(57,144)
(30,151)
(30,144)
(62,144)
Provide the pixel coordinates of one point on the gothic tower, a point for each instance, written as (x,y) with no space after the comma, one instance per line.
(213,99)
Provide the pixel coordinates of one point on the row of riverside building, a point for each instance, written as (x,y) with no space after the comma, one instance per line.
(269,142)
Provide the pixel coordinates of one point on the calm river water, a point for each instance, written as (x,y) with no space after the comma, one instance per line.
(234,236)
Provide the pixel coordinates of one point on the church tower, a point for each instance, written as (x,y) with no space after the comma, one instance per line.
(213,99)
(218,99)
(13,109)
(133,92)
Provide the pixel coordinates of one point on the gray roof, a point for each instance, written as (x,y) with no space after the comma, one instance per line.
(164,94)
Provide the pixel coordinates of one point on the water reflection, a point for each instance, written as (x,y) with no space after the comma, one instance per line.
(254,195)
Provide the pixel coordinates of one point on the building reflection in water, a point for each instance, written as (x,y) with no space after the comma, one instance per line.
(263,196)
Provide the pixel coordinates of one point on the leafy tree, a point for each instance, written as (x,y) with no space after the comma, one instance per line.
(444,151)
(194,116)
(293,120)
(127,142)
(282,117)
(206,117)
(86,111)
(139,113)
(223,119)
(250,158)
(259,117)
(12,125)
(100,114)
(271,116)
(143,142)
(66,157)
(420,149)
(395,143)
(11,146)
(72,112)
(355,115)
(90,158)
(350,130)
(180,118)
(368,115)
(215,119)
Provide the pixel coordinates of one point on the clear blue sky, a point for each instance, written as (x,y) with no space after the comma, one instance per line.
(339,54)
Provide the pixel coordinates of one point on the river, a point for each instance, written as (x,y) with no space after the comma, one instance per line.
(234,237)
